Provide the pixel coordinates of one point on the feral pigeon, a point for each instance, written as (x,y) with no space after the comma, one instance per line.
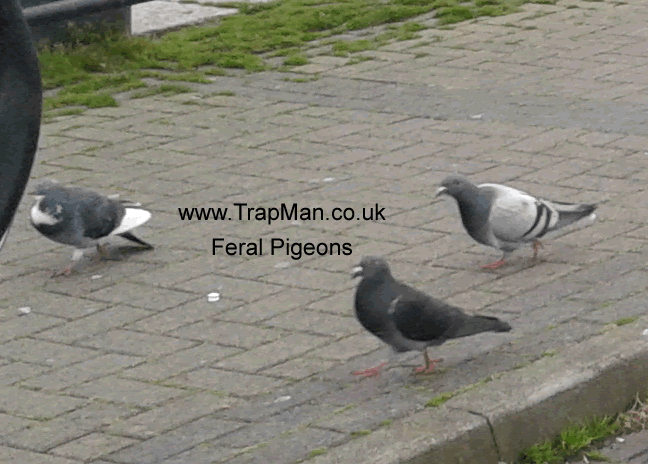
(20,109)
(81,217)
(506,218)
(408,319)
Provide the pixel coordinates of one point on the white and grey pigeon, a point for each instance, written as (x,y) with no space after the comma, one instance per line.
(81,218)
(506,218)
(408,319)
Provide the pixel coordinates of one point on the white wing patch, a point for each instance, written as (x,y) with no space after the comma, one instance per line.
(134,217)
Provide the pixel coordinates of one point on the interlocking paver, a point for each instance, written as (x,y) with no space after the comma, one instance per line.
(112,388)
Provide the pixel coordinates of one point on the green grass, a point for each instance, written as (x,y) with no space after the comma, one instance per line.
(625,320)
(570,442)
(317,452)
(360,433)
(164,89)
(440,399)
(93,66)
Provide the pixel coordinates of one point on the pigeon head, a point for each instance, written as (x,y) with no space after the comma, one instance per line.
(371,267)
(455,186)
(46,211)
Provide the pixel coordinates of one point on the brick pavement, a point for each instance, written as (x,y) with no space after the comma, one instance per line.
(129,363)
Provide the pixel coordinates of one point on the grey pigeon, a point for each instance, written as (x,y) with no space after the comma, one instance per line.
(506,218)
(81,217)
(408,319)
(20,109)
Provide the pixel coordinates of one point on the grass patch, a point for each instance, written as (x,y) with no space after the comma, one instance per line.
(317,452)
(440,399)
(625,320)
(296,60)
(94,65)
(581,440)
(360,433)
(224,93)
(571,441)
(164,89)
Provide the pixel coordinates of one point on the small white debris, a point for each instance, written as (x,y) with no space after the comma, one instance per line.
(476,116)
(24,310)
(282,265)
(645,333)
(328,179)
(114,196)
(50,361)
(213,297)
(282,399)
(96,276)
(296,223)
(620,440)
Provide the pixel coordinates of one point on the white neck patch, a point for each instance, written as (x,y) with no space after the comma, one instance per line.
(39,217)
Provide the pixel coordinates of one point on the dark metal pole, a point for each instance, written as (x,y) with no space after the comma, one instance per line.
(21,96)
(71,9)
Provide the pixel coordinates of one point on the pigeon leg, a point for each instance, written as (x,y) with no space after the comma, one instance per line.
(497,264)
(76,257)
(536,246)
(430,364)
(370,372)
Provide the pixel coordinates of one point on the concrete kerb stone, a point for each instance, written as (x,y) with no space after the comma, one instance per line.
(495,421)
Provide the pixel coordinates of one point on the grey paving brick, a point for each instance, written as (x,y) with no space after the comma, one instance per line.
(95,323)
(180,361)
(230,382)
(12,455)
(46,353)
(170,415)
(37,405)
(272,353)
(81,372)
(139,296)
(92,446)
(112,388)
(176,441)
(135,343)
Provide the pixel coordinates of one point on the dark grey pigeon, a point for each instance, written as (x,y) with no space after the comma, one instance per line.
(506,218)
(20,109)
(81,217)
(408,319)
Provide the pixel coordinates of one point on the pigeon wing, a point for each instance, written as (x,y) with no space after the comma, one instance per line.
(99,215)
(516,216)
(420,317)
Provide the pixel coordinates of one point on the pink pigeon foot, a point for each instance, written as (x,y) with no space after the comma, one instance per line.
(428,369)
(430,364)
(65,272)
(495,265)
(370,372)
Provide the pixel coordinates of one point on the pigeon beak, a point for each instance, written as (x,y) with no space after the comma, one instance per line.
(356,272)
(441,191)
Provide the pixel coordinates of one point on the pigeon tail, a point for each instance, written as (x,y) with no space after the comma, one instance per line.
(133,217)
(569,213)
(478,324)
(133,238)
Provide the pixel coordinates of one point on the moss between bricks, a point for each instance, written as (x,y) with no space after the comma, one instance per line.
(93,66)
